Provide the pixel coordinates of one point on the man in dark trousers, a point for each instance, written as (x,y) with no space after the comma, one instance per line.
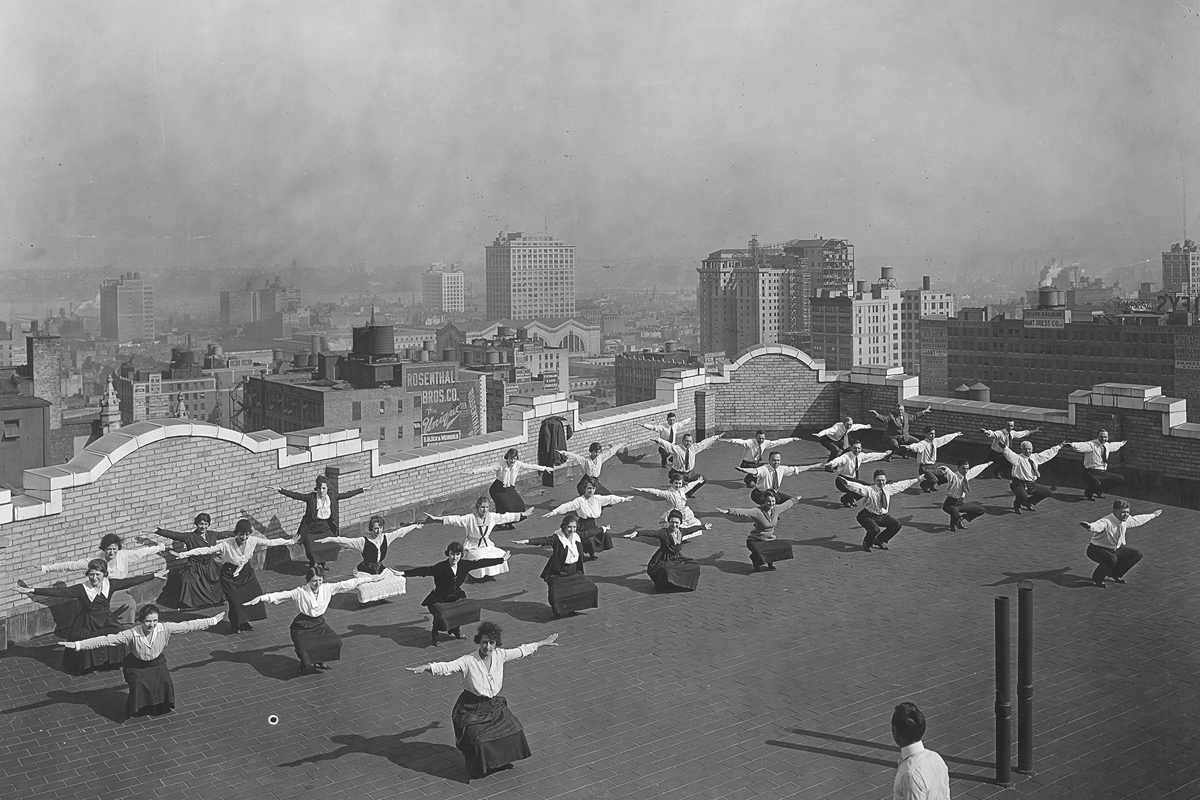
(896,429)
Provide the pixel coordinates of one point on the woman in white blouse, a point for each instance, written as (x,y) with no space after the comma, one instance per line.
(588,508)
(485,731)
(592,463)
(315,642)
(478,542)
(120,563)
(151,690)
(503,490)
(374,549)
(238,580)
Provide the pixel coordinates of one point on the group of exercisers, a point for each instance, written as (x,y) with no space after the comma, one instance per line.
(217,566)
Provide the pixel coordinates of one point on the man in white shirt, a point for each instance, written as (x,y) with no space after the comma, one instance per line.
(1108,548)
(1025,474)
(1003,440)
(848,469)
(1095,465)
(770,478)
(683,458)
(895,430)
(671,432)
(875,518)
(927,455)
(922,774)
(756,451)
(958,485)
(836,438)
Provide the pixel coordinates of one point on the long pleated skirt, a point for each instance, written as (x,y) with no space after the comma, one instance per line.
(770,551)
(487,733)
(242,589)
(86,625)
(568,593)
(149,683)
(506,498)
(319,553)
(315,641)
(593,536)
(196,585)
(448,616)
(668,574)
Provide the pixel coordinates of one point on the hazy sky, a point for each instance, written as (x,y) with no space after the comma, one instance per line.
(409,132)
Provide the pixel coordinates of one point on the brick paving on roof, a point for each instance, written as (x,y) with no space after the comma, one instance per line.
(773,684)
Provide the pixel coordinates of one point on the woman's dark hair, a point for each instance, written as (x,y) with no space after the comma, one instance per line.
(454,547)
(322,479)
(376,518)
(595,447)
(202,517)
(675,514)
(490,630)
(1119,505)
(770,493)
(482,500)
(146,611)
(311,573)
(511,453)
(909,724)
(673,474)
(98,564)
(569,518)
(589,481)
(110,538)
(243,526)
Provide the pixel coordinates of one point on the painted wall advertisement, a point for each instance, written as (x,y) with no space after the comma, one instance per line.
(449,407)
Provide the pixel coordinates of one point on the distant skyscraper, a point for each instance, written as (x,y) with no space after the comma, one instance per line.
(744,298)
(530,276)
(1181,268)
(443,290)
(127,309)
(916,304)
(830,260)
(860,328)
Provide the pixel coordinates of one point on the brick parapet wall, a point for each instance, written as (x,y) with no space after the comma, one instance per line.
(163,472)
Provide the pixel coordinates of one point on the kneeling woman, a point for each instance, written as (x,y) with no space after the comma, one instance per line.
(485,731)
(315,642)
(151,690)
(588,508)
(764,548)
(669,568)
(568,589)
(238,580)
(448,602)
(374,549)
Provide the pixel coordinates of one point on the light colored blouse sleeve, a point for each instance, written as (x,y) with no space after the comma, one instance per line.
(64,566)
(124,637)
(188,626)
(280,597)
(521,651)
(449,667)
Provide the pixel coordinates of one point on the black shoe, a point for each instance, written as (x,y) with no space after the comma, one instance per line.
(323,665)
(866,547)
(770,567)
(1099,584)
(881,545)
(1100,496)
(964,523)
(435,641)
(758,568)
(1115,579)
(953,528)
(458,635)
(1030,507)
(1017,509)
(1088,497)
(246,626)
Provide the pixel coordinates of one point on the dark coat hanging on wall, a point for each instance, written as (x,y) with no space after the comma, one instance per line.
(552,437)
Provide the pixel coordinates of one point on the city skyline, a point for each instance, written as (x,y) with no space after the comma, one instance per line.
(218,135)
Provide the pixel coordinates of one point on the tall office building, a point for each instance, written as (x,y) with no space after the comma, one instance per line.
(127,309)
(1181,268)
(530,276)
(744,298)
(444,290)
(831,262)
(860,328)
(916,304)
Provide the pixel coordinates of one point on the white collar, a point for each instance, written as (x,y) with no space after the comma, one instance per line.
(911,750)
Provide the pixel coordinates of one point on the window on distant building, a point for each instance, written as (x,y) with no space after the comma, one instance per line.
(12,429)
(356,410)
(382,434)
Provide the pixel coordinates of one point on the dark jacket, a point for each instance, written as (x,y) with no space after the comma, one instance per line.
(558,556)
(310,507)
(552,437)
(447,584)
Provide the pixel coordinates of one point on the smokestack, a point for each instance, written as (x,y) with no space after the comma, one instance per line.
(925,283)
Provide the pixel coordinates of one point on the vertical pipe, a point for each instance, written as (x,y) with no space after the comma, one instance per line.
(1025,680)
(1003,695)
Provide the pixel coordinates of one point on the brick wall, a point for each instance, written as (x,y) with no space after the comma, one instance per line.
(163,472)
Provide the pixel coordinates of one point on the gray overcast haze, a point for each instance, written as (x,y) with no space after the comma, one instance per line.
(162,135)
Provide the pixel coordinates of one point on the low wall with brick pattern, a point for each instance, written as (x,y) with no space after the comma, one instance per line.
(163,472)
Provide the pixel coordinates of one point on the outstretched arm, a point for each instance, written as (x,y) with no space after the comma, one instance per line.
(294,495)
(400,533)
(65,566)
(655,492)
(570,505)
(900,486)
(1141,519)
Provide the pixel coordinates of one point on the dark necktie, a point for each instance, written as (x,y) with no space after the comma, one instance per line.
(1104,453)
(966,487)
(856,467)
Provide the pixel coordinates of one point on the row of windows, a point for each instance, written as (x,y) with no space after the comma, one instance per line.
(356,407)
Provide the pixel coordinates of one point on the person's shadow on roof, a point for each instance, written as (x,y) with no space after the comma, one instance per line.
(438,760)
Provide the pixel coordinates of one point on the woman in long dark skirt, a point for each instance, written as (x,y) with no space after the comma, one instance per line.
(198,583)
(448,602)
(764,548)
(151,689)
(568,589)
(487,734)
(238,581)
(95,617)
(588,507)
(503,490)
(320,520)
(316,643)
(669,568)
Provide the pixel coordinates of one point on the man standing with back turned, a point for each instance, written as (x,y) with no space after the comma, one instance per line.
(922,774)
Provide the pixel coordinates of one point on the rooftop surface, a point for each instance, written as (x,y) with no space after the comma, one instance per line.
(775,684)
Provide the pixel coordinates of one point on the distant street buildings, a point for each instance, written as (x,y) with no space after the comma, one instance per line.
(267,313)
(859,328)
(442,290)
(915,305)
(1181,268)
(637,372)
